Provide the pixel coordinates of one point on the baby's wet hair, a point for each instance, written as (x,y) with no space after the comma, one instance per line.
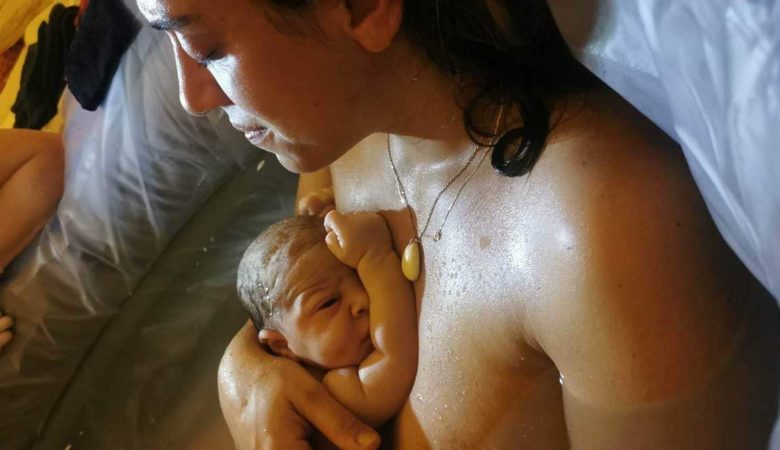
(266,260)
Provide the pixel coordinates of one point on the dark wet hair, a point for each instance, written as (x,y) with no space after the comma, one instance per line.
(263,262)
(510,52)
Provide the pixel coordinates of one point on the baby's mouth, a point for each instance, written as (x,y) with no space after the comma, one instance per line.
(367,344)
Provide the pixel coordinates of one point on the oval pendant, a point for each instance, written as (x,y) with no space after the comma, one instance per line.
(410,261)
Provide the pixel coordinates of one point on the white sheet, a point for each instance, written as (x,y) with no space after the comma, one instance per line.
(708,73)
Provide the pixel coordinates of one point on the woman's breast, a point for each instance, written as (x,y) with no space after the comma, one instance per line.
(478,384)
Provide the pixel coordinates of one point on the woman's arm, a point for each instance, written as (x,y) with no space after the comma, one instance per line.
(268,402)
(31,183)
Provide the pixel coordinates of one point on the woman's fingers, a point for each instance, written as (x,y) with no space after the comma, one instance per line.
(317,406)
(281,444)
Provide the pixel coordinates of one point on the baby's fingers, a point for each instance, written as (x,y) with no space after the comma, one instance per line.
(334,245)
(333,221)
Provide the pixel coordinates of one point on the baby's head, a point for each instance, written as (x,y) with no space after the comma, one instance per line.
(308,306)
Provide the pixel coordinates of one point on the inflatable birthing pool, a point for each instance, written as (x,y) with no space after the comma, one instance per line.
(126,300)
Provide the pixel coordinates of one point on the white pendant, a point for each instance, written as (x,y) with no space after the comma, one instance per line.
(410,261)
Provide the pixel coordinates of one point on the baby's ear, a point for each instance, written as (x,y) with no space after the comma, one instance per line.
(277,343)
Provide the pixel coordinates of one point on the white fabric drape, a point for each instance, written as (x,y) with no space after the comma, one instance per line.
(708,73)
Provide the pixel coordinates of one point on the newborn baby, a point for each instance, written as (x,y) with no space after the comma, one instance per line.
(331,295)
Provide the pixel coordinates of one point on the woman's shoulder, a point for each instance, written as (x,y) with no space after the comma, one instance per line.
(611,157)
(601,129)
(647,251)
(630,203)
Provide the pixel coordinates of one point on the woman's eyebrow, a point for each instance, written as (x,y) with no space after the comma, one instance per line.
(174,23)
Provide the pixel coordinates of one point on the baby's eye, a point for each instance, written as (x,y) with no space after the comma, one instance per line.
(329,303)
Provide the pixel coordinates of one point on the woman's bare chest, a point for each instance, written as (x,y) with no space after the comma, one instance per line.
(478,384)
(478,380)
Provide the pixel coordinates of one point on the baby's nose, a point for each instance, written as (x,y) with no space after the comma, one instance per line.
(359,307)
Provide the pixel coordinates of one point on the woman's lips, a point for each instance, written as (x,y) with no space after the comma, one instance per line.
(256,136)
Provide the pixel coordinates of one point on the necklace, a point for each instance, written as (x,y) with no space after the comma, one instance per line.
(410,261)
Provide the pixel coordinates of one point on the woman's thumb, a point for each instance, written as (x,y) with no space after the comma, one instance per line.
(342,428)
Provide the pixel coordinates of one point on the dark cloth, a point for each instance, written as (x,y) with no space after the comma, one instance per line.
(106,30)
(43,77)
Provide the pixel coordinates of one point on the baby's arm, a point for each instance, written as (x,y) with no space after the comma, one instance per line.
(377,389)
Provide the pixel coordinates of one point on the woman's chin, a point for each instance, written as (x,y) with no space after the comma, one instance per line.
(295,157)
(288,163)
(297,165)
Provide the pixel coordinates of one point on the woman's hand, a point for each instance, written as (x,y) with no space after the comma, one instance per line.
(270,402)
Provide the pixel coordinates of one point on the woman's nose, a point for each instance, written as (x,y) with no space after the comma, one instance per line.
(199,92)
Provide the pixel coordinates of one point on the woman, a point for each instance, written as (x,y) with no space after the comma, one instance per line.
(581,297)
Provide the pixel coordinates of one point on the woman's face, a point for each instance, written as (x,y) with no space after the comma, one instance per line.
(293,93)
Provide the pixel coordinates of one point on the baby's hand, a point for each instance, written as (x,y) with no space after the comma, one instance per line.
(5,330)
(317,202)
(352,236)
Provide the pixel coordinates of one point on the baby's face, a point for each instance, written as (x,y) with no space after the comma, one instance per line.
(327,322)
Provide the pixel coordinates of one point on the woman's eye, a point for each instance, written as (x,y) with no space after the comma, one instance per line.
(329,303)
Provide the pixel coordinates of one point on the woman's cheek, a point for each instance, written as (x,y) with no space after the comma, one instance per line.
(230,80)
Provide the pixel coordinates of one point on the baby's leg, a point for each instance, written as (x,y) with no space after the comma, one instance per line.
(5,330)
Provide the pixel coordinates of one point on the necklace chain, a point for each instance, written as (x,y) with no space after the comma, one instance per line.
(402,191)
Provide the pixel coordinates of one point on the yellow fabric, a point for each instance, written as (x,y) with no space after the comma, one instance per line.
(14,13)
(14,17)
